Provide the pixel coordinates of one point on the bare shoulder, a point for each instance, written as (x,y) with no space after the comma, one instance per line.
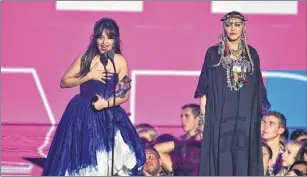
(120,60)
(79,57)
(122,65)
(77,60)
(74,67)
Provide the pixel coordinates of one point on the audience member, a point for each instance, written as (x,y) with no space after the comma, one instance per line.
(153,164)
(288,157)
(189,120)
(267,157)
(146,131)
(273,126)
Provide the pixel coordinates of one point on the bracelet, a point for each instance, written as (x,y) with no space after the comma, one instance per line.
(201,120)
(202,115)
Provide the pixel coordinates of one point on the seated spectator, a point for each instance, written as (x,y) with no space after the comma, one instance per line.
(146,131)
(273,126)
(288,157)
(267,157)
(299,168)
(153,164)
(189,120)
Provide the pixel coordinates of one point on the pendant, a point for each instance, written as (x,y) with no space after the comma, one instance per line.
(236,78)
(236,68)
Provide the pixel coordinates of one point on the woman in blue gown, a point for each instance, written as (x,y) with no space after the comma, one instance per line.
(83,143)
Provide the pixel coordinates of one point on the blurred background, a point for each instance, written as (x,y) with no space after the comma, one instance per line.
(164,43)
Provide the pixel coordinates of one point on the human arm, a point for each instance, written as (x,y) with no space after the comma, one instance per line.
(170,154)
(122,65)
(164,149)
(71,78)
(202,116)
(202,89)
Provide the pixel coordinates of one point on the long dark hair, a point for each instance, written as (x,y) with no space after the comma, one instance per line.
(111,28)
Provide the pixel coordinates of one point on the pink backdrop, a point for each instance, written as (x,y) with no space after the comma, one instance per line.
(164,36)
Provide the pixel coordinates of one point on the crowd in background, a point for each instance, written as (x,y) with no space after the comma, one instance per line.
(169,155)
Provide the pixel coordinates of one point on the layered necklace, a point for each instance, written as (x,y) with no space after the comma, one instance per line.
(236,64)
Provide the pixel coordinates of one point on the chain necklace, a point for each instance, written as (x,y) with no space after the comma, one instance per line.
(235,53)
(236,65)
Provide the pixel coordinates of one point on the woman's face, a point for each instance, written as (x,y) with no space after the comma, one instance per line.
(233,28)
(104,43)
(288,157)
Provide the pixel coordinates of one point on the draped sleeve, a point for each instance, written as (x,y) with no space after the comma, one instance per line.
(203,81)
(265,104)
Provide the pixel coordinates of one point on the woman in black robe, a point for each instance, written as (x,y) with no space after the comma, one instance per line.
(233,99)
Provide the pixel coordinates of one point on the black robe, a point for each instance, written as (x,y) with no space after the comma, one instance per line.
(232,139)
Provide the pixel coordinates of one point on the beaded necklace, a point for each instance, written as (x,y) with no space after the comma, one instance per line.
(236,65)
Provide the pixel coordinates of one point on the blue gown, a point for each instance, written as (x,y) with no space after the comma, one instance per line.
(82,144)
